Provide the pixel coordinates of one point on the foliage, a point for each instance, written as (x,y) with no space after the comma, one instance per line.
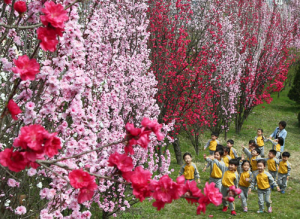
(294,93)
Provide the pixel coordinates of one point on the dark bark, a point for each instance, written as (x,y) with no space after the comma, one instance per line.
(177,151)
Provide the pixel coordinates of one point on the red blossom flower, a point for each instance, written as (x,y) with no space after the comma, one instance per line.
(47,36)
(143,140)
(54,14)
(52,145)
(31,137)
(139,179)
(26,68)
(80,179)
(121,161)
(154,126)
(14,109)
(87,193)
(14,160)
(192,189)
(203,202)
(20,7)
(164,191)
(213,193)
(132,131)
(7,1)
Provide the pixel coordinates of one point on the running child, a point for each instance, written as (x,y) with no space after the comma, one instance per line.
(244,183)
(252,156)
(264,180)
(232,153)
(230,178)
(189,169)
(260,141)
(212,143)
(277,146)
(217,168)
(284,171)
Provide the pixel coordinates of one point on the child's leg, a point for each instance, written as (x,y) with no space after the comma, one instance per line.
(268,197)
(262,151)
(224,193)
(218,182)
(273,174)
(260,194)
(244,196)
(232,206)
(280,179)
(278,155)
(211,152)
(284,182)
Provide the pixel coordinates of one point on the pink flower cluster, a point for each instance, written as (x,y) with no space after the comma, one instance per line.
(54,18)
(140,136)
(80,179)
(232,193)
(14,109)
(34,142)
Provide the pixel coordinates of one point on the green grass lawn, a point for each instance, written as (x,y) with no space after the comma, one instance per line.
(266,117)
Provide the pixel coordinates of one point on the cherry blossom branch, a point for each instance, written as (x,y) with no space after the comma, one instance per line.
(35,25)
(20,27)
(8,172)
(78,155)
(57,174)
(64,166)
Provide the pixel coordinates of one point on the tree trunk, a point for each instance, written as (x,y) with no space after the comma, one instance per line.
(177,151)
(197,145)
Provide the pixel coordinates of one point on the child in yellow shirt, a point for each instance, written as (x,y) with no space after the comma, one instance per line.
(264,180)
(212,143)
(253,155)
(260,141)
(244,183)
(272,163)
(217,168)
(277,143)
(284,171)
(189,169)
(230,178)
(226,157)
(233,154)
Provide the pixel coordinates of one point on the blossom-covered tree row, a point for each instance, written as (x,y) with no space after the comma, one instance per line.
(73,74)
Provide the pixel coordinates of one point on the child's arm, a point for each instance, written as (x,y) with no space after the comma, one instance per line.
(196,173)
(181,171)
(207,144)
(261,158)
(221,165)
(235,153)
(246,151)
(289,169)
(255,139)
(253,182)
(237,179)
(272,181)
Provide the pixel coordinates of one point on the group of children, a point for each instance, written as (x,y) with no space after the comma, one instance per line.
(227,169)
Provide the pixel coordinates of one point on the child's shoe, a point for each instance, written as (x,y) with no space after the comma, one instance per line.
(245,209)
(225,208)
(233,213)
(270,209)
(282,192)
(260,211)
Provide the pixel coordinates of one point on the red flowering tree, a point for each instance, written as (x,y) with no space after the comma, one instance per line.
(75,85)
(183,60)
(255,56)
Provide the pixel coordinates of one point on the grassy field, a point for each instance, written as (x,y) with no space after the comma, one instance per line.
(284,205)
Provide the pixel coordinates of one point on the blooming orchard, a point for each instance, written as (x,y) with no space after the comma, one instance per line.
(75,83)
